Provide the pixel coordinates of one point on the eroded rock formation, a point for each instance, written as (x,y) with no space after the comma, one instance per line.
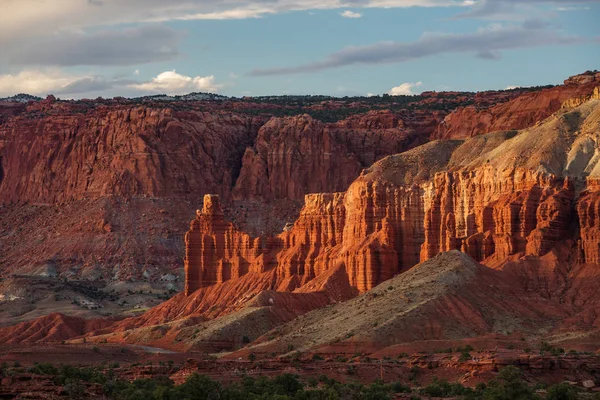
(492,196)
(518,113)
(105,188)
(124,151)
(297,155)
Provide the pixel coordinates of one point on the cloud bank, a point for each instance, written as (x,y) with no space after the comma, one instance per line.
(55,81)
(131,46)
(484,43)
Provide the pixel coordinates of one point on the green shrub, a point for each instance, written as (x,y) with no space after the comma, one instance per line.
(398,387)
(442,388)
(465,356)
(508,386)
(44,369)
(562,391)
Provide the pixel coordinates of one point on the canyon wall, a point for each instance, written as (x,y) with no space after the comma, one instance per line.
(297,155)
(61,155)
(519,113)
(108,186)
(56,152)
(492,196)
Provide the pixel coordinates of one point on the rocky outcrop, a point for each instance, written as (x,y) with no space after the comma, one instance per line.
(519,113)
(215,250)
(577,101)
(125,151)
(588,213)
(105,188)
(297,155)
(492,196)
(485,214)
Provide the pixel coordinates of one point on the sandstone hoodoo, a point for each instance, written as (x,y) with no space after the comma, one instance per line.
(215,250)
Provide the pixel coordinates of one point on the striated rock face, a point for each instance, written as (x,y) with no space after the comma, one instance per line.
(105,188)
(215,250)
(577,101)
(487,214)
(519,113)
(127,151)
(493,196)
(297,155)
(588,212)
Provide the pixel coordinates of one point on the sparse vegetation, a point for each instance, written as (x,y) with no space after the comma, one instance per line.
(76,381)
(465,356)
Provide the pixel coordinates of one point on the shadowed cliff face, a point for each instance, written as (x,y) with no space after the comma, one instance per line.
(1,171)
(298,155)
(493,197)
(86,185)
(126,151)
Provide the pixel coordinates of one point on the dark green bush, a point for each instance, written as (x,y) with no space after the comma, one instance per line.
(562,391)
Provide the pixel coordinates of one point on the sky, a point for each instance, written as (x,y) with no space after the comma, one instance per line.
(91,48)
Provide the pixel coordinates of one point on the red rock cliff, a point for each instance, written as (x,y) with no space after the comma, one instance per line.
(297,155)
(492,196)
(518,113)
(126,151)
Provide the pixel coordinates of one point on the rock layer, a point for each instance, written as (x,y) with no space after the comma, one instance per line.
(126,151)
(519,113)
(493,196)
(297,155)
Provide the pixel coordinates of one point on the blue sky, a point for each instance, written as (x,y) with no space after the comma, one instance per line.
(90,48)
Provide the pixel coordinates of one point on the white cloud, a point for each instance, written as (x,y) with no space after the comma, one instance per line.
(350,14)
(58,82)
(20,19)
(571,8)
(511,87)
(371,94)
(36,82)
(170,82)
(404,89)
(136,72)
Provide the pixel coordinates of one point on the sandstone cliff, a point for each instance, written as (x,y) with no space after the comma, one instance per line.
(69,154)
(518,113)
(297,155)
(492,196)
(104,189)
